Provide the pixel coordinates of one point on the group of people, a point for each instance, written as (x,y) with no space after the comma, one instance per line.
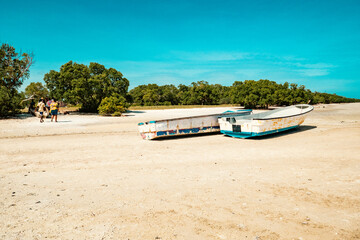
(44,106)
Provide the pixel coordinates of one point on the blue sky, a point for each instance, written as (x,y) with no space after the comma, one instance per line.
(314,43)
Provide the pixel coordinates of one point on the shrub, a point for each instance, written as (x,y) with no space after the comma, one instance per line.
(115,105)
(10,102)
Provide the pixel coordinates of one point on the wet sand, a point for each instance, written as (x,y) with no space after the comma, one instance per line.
(92,177)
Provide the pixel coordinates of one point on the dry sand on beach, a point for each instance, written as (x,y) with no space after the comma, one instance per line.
(92,177)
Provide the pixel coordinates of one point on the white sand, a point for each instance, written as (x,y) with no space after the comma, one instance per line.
(92,177)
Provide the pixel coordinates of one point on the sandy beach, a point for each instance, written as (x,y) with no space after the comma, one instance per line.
(93,177)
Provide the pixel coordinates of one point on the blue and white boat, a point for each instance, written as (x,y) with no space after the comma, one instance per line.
(264,123)
(185,125)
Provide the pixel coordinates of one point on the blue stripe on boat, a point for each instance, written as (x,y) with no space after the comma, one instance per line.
(238,111)
(253,134)
(185,131)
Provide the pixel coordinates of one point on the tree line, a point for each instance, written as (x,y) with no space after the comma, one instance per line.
(14,69)
(248,93)
(105,90)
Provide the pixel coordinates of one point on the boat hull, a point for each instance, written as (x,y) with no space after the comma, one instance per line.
(184,126)
(247,127)
(253,134)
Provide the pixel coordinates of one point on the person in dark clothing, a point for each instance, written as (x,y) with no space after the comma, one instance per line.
(32,107)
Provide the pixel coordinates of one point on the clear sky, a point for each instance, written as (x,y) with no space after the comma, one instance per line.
(314,43)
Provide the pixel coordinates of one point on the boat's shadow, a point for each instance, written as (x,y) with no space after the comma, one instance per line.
(167,138)
(301,128)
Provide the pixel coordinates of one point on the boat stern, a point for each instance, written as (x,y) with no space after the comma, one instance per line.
(147,130)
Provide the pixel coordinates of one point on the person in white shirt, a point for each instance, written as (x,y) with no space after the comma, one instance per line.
(41,109)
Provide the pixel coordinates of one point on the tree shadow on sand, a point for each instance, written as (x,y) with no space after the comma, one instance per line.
(18,116)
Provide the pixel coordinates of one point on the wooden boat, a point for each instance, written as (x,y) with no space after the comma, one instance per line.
(269,122)
(185,125)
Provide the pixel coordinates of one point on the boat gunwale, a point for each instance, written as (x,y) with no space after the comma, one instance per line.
(253,116)
(264,119)
(209,115)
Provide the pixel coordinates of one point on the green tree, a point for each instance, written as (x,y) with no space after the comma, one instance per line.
(10,101)
(137,95)
(14,69)
(250,93)
(183,94)
(36,90)
(152,94)
(201,93)
(263,93)
(245,93)
(221,93)
(169,95)
(85,85)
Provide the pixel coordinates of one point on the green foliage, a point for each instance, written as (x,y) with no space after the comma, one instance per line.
(331,98)
(37,90)
(202,93)
(114,105)
(10,101)
(250,93)
(199,93)
(262,93)
(14,69)
(85,85)
(183,94)
(152,94)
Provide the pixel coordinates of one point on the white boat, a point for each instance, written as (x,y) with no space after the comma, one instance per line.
(185,125)
(264,123)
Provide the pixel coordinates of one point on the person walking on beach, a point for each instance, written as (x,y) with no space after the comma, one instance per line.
(41,108)
(54,109)
(48,103)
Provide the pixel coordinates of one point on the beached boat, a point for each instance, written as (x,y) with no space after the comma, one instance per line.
(185,125)
(264,123)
